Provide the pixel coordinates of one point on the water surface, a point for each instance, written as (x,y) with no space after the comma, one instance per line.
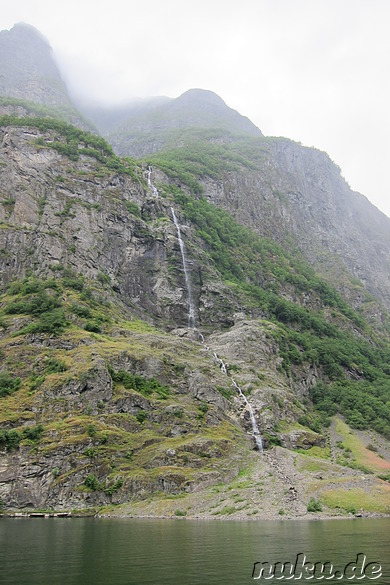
(63,551)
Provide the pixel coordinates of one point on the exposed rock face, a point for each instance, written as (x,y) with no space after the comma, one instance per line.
(298,193)
(123,400)
(302,439)
(80,219)
(28,69)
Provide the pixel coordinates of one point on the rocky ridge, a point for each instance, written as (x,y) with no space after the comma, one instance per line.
(106,396)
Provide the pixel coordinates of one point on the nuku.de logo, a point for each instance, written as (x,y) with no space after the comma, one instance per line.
(303,569)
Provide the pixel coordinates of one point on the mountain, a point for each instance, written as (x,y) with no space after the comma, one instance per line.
(29,76)
(147,126)
(278,187)
(163,319)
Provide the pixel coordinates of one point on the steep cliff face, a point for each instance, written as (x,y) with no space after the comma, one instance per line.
(107,396)
(29,73)
(143,411)
(93,220)
(28,69)
(299,193)
(104,399)
(277,187)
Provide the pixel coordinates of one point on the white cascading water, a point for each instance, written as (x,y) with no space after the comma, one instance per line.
(256,432)
(255,428)
(150,184)
(191,319)
(191,305)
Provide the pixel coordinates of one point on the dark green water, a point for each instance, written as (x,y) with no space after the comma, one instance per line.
(139,552)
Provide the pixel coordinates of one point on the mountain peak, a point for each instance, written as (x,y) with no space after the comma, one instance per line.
(201,96)
(28,70)
(27,30)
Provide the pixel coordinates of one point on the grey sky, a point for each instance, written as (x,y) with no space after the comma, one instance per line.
(316,71)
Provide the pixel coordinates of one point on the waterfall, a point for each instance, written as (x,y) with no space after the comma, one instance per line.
(191,306)
(151,184)
(255,428)
(256,432)
(191,318)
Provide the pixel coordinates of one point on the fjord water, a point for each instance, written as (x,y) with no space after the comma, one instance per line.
(56,551)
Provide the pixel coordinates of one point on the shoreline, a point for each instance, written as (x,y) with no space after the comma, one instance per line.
(208,518)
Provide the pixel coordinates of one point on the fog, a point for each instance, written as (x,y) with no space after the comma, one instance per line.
(315,71)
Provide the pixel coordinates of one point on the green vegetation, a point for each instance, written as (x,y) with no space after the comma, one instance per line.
(226,392)
(385,476)
(355,454)
(63,112)
(11,439)
(314,506)
(55,366)
(44,301)
(353,499)
(141,416)
(34,299)
(92,326)
(146,386)
(8,383)
(132,208)
(180,513)
(92,483)
(364,404)
(208,153)
(260,271)
(74,142)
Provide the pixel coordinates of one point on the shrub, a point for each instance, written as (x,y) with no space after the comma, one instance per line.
(36,382)
(145,386)
(54,366)
(36,305)
(53,322)
(91,431)
(81,311)
(92,482)
(141,416)
(92,326)
(314,506)
(33,433)
(110,489)
(73,282)
(180,513)
(103,278)
(226,392)
(132,208)
(11,439)
(8,384)
(385,476)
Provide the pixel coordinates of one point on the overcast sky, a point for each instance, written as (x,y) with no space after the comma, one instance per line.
(316,71)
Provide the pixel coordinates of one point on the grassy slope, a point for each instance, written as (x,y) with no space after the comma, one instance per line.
(259,272)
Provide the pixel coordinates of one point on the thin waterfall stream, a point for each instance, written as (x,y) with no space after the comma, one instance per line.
(255,428)
(191,305)
(151,184)
(191,320)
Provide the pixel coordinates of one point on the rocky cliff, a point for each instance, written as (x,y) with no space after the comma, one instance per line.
(108,397)
(29,73)
(299,193)
(104,400)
